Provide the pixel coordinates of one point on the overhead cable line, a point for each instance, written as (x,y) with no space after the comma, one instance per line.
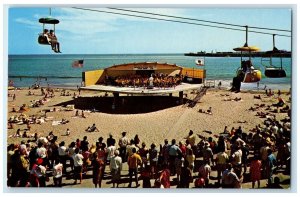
(207,21)
(169,20)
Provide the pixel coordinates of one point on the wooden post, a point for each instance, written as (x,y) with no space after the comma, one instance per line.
(116,96)
(181,97)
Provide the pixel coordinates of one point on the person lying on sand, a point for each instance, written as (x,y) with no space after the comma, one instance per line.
(253,108)
(224,94)
(209,111)
(27,135)
(237,99)
(23,108)
(257,97)
(206,131)
(241,121)
(40,120)
(227,99)
(262,114)
(17,134)
(285,109)
(30,93)
(231,99)
(64,121)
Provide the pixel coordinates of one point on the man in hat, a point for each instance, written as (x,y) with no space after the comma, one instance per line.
(207,153)
(123,142)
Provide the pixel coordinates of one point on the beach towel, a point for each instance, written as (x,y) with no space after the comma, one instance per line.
(55,123)
(49,118)
(70,108)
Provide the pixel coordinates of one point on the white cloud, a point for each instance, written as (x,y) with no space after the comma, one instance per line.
(77,24)
(26,22)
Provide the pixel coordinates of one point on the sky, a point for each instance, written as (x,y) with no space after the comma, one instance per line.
(87,32)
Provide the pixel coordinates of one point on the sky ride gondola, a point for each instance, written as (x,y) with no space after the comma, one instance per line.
(42,39)
(247,73)
(272,71)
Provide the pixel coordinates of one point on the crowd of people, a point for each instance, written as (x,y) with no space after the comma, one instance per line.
(155,80)
(232,154)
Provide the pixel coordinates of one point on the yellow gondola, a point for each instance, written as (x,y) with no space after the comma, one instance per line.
(246,72)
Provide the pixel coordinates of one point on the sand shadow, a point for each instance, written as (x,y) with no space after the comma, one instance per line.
(124,104)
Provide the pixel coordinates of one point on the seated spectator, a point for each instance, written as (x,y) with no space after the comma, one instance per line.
(53,41)
(68,132)
(93,128)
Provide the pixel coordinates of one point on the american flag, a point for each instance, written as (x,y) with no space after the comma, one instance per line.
(77,64)
(199,62)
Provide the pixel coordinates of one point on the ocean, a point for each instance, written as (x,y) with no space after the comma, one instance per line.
(56,70)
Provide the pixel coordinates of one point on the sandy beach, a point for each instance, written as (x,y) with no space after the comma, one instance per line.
(170,123)
(151,127)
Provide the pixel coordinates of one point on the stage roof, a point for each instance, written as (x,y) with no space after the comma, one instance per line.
(145,66)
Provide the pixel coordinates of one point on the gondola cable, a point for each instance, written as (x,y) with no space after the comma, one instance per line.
(169,20)
(207,21)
